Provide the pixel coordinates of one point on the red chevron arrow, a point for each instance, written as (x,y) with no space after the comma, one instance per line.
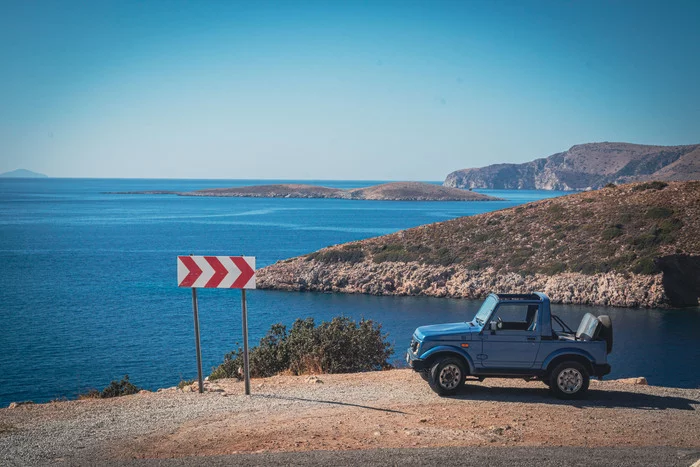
(246,272)
(194,273)
(220,271)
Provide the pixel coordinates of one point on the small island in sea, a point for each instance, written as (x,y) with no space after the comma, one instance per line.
(22,173)
(395,191)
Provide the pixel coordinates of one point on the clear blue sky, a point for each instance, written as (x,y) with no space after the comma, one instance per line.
(337,90)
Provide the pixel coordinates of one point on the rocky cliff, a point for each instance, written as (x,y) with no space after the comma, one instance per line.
(632,245)
(587,166)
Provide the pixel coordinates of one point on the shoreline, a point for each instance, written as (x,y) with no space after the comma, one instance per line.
(416,279)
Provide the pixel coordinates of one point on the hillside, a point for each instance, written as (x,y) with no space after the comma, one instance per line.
(22,173)
(396,191)
(587,166)
(632,245)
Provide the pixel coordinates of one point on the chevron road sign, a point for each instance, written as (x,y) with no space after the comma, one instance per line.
(221,272)
(218,272)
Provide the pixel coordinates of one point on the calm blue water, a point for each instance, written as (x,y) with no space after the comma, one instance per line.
(88,289)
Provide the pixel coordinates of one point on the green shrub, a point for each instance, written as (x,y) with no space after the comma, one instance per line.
(481,263)
(554,268)
(338,346)
(444,257)
(667,230)
(645,266)
(394,252)
(348,254)
(115,389)
(650,186)
(658,212)
(585,267)
(184,382)
(612,232)
(646,240)
(556,210)
(610,185)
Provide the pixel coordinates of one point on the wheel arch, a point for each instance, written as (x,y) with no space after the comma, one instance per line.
(576,355)
(444,351)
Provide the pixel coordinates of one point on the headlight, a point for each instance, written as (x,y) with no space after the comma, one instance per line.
(415,345)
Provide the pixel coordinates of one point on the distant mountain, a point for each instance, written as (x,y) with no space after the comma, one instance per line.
(587,166)
(22,173)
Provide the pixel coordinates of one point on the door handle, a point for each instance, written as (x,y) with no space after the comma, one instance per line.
(531,338)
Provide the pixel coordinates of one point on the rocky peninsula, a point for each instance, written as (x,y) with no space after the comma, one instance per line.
(396,191)
(635,245)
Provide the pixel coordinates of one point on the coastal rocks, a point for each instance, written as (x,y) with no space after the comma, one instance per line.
(456,281)
(14,405)
(640,381)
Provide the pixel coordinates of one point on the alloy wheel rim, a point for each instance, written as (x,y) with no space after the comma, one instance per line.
(450,376)
(570,380)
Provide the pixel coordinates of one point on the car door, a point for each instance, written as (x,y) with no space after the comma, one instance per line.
(516,343)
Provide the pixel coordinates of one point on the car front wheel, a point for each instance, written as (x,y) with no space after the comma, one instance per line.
(447,376)
(569,380)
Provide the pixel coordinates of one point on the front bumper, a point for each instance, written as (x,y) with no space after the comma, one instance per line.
(418,364)
(601,370)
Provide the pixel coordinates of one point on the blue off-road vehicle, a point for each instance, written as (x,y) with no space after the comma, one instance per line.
(513,336)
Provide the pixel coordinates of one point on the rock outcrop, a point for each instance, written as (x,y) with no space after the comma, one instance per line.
(634,246)
(396,278)
(587,166)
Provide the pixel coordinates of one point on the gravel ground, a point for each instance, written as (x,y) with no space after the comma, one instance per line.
(392,409)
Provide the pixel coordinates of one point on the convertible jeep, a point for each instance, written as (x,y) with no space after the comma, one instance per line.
(513,336)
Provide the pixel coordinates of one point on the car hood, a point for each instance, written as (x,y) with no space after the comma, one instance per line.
(436,331)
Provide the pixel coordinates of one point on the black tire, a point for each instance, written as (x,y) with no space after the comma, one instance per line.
(425,374)
(546,381)
(447,376)
(569,380)
(606,331)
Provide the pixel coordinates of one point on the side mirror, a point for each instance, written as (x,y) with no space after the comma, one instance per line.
(493,325)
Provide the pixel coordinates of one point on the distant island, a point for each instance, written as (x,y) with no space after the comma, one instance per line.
(630,245)
(396,191)
(587,166)
(22,173)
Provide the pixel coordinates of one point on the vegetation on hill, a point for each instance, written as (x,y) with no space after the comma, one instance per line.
(619,228)
(338,346)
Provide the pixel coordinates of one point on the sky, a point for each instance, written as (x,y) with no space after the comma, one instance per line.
(365,90)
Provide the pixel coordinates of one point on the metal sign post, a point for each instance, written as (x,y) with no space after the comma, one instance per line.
(196,340)
(221,272)
(246,367)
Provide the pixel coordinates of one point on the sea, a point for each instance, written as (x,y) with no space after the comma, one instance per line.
(88,289)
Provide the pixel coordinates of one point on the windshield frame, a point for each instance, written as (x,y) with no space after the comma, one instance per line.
(485,311)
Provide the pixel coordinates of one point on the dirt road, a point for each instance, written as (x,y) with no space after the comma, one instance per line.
(392,409)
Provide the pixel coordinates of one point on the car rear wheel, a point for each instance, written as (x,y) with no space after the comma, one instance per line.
(569,380)
(447,376)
